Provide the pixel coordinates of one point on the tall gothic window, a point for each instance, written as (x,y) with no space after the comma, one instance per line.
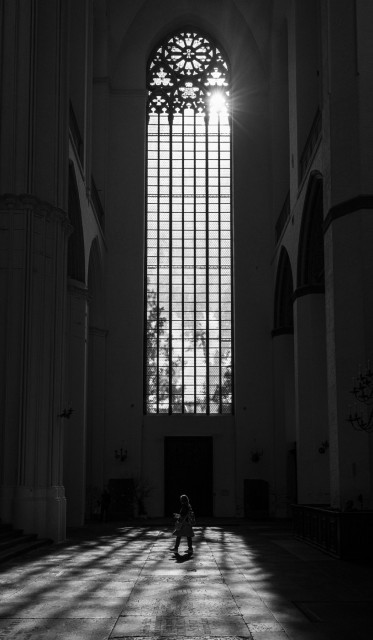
(188,354)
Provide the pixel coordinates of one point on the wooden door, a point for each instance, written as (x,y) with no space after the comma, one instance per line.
(256,498)
(121,492)
(189,469)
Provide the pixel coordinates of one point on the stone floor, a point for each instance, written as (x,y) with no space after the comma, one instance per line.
(244,581)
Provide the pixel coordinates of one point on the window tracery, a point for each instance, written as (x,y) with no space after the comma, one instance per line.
(188,354)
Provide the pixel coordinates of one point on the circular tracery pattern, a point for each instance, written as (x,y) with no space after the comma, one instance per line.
(184,72)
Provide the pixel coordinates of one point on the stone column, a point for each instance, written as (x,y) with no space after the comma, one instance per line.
(284,422)
(76,398)
(33,160)
(33,285)
(293,125)
(34,100)
(348,202)
(96,432)
(311,398)
(349,286)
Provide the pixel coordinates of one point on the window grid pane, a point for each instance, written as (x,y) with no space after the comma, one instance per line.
(188,354)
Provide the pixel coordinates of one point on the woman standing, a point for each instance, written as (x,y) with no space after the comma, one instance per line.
(183,525)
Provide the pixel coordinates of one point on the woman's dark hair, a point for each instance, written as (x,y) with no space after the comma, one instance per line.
(184,499)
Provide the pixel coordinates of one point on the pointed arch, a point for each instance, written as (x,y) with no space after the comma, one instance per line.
(188,341)
(310,272)
(283,305)
(75,251)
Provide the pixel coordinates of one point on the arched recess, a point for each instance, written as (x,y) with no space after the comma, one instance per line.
(284,387)
(283,308)
(310,352)
(76,362)
(95,436)
(310,271)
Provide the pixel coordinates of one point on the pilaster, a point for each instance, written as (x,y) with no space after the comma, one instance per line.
(349,315)
(311,399)
(96,416)
(284,423)
(348,203)
(33,286)
(76,399)
(293,124)
(34,99)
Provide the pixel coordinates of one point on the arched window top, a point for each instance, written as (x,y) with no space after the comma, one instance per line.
(188,71)
(311,242)
(189,345)
(283,316)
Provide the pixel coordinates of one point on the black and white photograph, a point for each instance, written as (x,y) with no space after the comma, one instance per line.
(186,319)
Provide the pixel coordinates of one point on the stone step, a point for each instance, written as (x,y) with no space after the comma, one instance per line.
(13,542)
(22,548)
(8,532)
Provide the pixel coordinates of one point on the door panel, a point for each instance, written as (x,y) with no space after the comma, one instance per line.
(122,498)
(189,470)
(256,498)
